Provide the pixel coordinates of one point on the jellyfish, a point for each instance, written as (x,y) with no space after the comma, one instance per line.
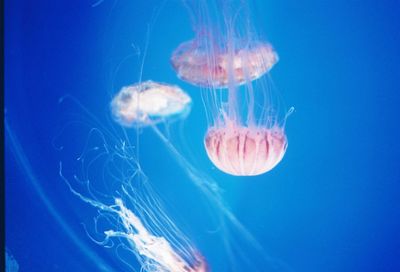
(193,64)
(148,103)
(230,63)
(245,151)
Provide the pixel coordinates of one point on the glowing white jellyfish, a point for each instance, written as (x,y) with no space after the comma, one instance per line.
(148,103)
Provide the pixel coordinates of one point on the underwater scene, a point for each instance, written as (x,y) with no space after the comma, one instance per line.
(202,135)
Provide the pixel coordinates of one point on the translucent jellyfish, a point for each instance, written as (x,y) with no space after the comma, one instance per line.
(245,151)
(250,61)
(148,103)
(230,63)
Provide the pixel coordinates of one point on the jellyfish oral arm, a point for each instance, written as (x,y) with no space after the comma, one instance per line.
(156,249)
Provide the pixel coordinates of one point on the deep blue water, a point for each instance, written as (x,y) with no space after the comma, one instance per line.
(332,204)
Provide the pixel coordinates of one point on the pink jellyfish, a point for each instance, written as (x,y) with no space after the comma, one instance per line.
(246,135)
(245,150)
(192,64)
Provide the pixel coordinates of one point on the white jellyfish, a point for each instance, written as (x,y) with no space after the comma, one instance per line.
(148,103)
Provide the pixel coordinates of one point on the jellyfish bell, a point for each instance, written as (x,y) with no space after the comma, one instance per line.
(149,103)
(246,147)
(245,151)
(194,63)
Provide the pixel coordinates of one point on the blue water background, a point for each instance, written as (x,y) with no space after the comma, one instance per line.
(332,204)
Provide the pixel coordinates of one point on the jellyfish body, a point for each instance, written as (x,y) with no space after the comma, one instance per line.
(192,63)
(148,103)
(245,151)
